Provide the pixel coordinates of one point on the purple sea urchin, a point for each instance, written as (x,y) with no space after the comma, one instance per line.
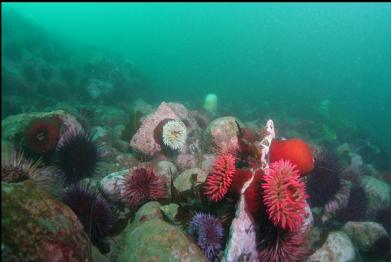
(325,180)
(383,216)
(77,156)
(93,211)
(209,233)
(356,207)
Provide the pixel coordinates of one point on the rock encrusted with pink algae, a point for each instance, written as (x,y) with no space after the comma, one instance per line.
(37,227)
(185,116)
(186,161)
(143,141)
(222,135)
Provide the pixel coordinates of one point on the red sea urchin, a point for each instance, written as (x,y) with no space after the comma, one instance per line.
(279,245)
(220,179)
(41,135)
(284,195)
(142,185)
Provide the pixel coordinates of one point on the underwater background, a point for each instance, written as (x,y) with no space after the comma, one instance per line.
(321,71)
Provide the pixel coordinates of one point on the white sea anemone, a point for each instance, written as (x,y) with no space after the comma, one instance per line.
(174,134)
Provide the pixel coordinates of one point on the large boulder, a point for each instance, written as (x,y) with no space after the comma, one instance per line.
(149,238)
(37,227)
(364,234)
(143,141)
(378,192)
(337,248)
(222,134)
(189,178)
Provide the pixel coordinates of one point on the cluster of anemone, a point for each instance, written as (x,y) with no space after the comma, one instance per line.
(219,180)
(208,231)
(93,211)
(143,185)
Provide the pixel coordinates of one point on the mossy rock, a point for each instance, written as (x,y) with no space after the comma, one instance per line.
(222,133)
(156,240)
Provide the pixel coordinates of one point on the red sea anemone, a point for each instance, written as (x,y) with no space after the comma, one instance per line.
(142,185)
(284,195)
(240,177)
(41,135)
(294,150)
(220,179)
(253,196)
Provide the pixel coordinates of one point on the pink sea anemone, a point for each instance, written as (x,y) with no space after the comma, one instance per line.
(284,195)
